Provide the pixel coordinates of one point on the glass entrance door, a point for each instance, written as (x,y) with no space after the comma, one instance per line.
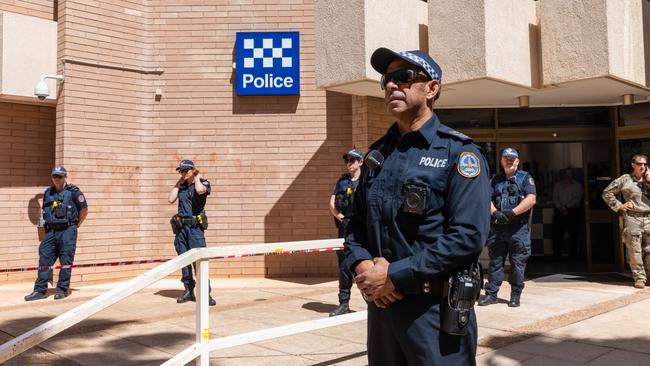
(601,227)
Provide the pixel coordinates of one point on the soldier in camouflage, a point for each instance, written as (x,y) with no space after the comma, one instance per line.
(634,188)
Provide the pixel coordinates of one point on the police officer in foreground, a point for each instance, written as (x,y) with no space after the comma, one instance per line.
(635,208)
(64,209)
(420,213)
(513,197)
(340,204)
(188,224)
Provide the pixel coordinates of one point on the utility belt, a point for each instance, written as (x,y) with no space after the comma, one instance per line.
(177,222)
(57,227)
(638,214)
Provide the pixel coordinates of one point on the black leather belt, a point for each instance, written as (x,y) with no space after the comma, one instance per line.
(189,220)
(56,227)
(638,214)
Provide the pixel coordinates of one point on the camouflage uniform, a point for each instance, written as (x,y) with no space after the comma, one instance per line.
(637,221)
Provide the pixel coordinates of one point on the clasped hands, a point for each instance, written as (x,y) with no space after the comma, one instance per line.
(374,283)
(503,217)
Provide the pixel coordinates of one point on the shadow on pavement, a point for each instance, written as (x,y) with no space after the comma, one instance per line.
(537,349)
(319,307)
(172,294)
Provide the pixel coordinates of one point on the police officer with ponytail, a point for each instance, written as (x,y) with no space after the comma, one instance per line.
(189,223)
(513,197)
(340,204)
(64,209)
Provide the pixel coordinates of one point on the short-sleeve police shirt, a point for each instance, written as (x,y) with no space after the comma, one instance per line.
(191,203)
(454,224)
(342,186)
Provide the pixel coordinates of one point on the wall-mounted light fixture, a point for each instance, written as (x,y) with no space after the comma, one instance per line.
(41,90)
(524,101)
(628,99)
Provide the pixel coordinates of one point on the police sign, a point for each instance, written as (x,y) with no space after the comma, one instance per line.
(268,63)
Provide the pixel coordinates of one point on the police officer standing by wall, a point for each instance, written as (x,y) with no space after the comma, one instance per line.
(188,224)
(635,208)
(513,197)
(420,213)
(340,204)
(64,209)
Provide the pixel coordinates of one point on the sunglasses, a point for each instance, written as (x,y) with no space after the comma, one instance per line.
(57,176)
(350,160)
(402,76)
(183,171)
(635,163)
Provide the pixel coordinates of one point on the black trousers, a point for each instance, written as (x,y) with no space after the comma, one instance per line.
(571,223)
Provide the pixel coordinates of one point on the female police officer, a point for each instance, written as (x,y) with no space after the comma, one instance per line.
(190,221)
(420,213)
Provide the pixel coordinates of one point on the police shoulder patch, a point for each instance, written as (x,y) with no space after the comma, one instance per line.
(469,165)
(81,198)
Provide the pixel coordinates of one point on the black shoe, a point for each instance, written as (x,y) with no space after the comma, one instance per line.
(343,308)
(212,302)
(188,295)
(488,300)
(60,295)
(514,300)
(35,296)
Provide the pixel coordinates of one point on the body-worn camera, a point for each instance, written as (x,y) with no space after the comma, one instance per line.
(460,293)
(415,199)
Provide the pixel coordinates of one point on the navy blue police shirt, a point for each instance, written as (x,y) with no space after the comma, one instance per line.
(523,185)
(191,203)
(69,190)
(343,192)
(450,232)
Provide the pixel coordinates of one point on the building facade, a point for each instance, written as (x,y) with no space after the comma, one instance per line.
(148,83)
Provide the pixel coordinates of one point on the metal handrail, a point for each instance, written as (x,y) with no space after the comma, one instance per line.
(203,345)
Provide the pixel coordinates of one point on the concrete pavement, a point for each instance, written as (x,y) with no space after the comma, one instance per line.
(563,320)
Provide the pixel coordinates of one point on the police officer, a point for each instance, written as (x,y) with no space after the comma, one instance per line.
(635,209)
(419,214)
(188,224)
(64,209)
(513,197)
(340,204)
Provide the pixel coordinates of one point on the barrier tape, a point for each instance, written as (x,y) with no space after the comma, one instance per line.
(277,251)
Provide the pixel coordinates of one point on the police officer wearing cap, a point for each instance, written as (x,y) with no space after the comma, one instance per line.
(64,209)
(513,197)
(190,221)
(340,204)
(420,213)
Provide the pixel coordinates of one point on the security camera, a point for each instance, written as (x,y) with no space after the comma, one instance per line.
(41,89)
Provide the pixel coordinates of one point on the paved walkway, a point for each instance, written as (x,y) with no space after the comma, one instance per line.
(563,320)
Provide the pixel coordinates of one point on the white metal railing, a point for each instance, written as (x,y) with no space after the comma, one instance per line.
(203,345)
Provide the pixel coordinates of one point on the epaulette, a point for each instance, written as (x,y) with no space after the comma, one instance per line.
(72,187)
(453,133)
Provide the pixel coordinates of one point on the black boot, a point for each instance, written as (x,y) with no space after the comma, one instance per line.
(212,302)
(188,295)
(343,308)
(514,299)
(488,300)
(35,296)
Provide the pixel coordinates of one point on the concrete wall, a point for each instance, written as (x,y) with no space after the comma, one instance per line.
(510,48)
(457,38)
(29,46)
(574,36)
(625,32)
(341,40)
(348,32)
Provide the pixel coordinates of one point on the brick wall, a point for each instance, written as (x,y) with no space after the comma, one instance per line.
(27,149)
(272,161)
(36,8)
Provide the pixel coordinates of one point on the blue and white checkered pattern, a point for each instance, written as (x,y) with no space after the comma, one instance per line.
(268,54)
(423,63)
